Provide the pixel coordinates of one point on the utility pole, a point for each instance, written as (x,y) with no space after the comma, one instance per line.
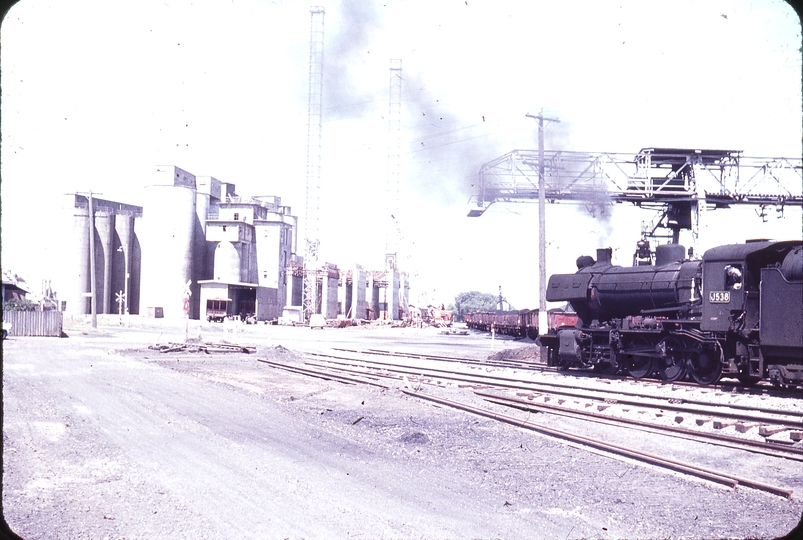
(542,317)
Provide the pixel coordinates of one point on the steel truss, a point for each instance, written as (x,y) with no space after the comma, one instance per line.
(678,183)
(309,298)
(654,176)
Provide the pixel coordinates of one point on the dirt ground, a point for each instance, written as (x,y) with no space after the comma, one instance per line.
(104,438)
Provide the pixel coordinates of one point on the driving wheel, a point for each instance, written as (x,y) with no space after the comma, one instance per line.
(705,367)
(639,365)
(672,366)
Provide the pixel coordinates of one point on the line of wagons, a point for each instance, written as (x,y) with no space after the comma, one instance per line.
(517,323)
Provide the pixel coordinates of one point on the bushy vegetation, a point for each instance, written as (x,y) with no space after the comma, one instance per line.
(19,304)
(470,301)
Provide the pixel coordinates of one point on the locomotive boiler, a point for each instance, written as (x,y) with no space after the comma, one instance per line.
(737,312)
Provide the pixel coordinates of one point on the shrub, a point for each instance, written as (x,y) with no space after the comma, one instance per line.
(19,304)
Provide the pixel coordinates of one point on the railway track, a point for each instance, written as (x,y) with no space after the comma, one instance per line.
(455,359)
(721,477)
(722,386)
(342,366)
(772,449)
(620,395)
(786,421)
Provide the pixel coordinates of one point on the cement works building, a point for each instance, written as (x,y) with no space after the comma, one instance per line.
(197,248)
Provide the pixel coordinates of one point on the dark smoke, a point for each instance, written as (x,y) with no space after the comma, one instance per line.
(443,150)
(558,137)
(347,37)
(598,205)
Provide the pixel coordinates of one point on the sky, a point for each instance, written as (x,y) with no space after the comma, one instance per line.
(95,94)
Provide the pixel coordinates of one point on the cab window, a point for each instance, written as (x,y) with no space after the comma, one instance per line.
(733,276)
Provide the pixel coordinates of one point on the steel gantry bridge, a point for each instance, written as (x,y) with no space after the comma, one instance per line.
(678,183)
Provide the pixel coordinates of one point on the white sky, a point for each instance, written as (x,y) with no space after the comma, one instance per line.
(96,93)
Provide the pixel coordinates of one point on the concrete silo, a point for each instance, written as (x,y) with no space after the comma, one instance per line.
(124,232)
(104,254)
(79,303)
(167,241)
(111,226)
(207,206)
(135,268)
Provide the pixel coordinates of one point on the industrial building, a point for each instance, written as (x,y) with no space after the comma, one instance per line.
(197,249)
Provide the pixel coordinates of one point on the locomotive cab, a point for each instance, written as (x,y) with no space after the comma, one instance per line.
(732,282)
(724,290)
(751,298)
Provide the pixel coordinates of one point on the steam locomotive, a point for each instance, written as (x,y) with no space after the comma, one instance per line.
(738,312)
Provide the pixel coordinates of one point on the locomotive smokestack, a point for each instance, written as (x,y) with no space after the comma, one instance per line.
(604,255)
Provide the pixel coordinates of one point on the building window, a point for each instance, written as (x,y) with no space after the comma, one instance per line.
(236,216)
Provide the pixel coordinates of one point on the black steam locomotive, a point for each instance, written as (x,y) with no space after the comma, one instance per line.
(737,312)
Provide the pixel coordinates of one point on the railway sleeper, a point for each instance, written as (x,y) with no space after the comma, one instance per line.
(741,427)
(768,431)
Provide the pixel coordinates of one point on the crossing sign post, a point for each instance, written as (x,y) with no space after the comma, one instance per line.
(120,301)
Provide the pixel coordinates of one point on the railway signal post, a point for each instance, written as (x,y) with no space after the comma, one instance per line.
(120,300)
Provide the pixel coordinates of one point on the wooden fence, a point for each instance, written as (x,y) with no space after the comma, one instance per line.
(34,323)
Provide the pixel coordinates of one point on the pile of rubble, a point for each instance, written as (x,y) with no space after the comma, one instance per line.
(198,347)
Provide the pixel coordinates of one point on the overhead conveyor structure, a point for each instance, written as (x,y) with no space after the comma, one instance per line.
(678,183)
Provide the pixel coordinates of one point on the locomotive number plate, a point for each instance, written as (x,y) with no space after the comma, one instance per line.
(719,297)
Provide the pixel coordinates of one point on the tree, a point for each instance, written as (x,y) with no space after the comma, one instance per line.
(471,301)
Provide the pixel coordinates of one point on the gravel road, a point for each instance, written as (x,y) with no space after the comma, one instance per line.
(103,438)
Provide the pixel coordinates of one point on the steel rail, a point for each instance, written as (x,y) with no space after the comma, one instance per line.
(769,449)
(536,366)
(435,357)
(744,444)
(321,374)
(701,472)
(507,382)
(469,361)
(586,372)
(719,385)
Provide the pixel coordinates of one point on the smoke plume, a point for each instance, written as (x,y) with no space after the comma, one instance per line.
(346,51)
